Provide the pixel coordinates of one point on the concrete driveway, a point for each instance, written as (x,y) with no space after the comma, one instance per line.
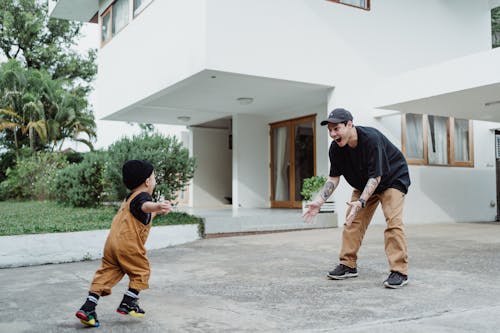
(276,283)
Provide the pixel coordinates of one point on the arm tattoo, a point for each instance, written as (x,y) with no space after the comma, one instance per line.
(327,190)
(370,187)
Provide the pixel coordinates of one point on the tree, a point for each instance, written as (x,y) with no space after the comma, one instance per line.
(60,77)
(22,111)
(28,35)
(39,109)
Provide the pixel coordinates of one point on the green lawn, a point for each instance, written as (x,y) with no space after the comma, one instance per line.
(33,217)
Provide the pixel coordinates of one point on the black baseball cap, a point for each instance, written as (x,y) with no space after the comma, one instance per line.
(337,116)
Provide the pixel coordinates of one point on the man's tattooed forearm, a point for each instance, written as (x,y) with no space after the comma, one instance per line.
(370,187)
(327,190)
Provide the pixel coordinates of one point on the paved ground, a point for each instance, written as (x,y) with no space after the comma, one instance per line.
(276,283)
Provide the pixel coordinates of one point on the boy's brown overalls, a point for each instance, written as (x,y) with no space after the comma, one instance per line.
(124,253)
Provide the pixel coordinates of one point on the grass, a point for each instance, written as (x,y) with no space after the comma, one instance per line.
(35,217)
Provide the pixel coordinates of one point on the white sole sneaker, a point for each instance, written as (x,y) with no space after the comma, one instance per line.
(341,277)
(395,286)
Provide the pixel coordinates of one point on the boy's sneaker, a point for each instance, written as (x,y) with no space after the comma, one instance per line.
(88,318)
(342,272)
(396,280)
(131,307)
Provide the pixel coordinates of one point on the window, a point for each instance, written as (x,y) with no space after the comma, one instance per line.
(114,19)
(106,26)
(118,15)
(495,27)
(139,6)
(363,4)
(437,140)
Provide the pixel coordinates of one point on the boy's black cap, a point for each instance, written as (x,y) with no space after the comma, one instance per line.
(337,116)
(135,172)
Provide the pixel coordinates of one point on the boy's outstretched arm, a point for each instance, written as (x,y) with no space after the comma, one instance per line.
(161,207)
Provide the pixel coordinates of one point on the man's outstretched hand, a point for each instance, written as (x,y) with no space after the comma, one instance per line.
(312,210)
(354,208)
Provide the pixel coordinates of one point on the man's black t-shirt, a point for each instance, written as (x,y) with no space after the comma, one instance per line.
(374,156)
(136,204)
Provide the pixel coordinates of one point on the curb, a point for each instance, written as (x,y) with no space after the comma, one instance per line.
(55,248)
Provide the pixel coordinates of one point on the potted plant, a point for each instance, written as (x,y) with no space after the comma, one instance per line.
(310,188)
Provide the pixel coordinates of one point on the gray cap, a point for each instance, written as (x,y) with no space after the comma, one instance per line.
(337,116)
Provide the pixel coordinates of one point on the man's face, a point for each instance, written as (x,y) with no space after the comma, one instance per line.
(340,132)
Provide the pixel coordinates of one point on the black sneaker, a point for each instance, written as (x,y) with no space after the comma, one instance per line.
(88,318)
(342,272)
(131,307)
(396,280)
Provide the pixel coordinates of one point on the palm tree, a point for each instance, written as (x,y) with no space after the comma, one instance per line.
(22,111)
(67,117)
(44,111)
(11,120)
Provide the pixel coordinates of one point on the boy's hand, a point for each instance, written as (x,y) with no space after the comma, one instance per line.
(164,207)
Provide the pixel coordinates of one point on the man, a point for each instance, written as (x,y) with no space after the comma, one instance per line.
(378,172)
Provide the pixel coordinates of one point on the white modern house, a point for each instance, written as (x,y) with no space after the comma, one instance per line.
(253,80)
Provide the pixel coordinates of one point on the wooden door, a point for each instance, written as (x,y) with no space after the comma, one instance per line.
(293,158)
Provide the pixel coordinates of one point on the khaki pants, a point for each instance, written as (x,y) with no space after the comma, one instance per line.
(392,202)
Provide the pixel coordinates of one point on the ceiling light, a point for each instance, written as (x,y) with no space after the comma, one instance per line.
(184,118)
(245,100)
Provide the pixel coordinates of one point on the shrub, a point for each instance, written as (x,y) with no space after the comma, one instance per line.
(173,166)
(82,185)
(33,177)
(312,185)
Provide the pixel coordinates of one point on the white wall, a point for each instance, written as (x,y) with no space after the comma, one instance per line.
(213,176)
(284,39)
(310,41)
(251,155)
(333,44)
(163,45)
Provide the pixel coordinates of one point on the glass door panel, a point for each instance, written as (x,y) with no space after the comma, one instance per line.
(304,155)
(281,164)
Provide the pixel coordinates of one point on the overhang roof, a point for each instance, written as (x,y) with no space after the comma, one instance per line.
(74,10)
(467,88)
(210,95)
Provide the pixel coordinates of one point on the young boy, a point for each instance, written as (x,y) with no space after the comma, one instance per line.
(124,251)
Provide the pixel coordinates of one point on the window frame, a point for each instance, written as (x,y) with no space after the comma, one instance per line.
(130,7)
(140,9)
(450,137)
(131,16)
(107,11)
(368,4)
